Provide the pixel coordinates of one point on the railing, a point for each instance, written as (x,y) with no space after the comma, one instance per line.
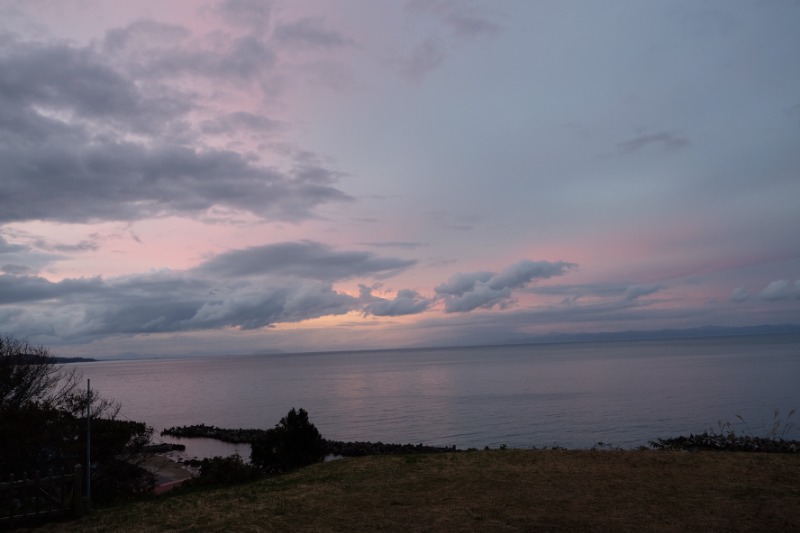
(40,498)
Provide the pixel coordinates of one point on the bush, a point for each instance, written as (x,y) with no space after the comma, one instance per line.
(229,470)
(293,442)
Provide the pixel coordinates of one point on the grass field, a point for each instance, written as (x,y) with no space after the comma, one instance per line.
(498,490)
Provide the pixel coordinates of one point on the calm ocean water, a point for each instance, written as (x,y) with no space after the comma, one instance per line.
(571,394)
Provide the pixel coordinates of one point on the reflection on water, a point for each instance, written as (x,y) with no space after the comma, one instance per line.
(205,448)
(575,395)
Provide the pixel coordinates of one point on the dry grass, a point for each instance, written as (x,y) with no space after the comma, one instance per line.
(511,490)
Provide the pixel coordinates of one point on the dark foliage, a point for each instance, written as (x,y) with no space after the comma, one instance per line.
(26,378)
(43,425)
(360,449)
(729,443)
(293,442)
(229,470)
(34,438)
(774,439)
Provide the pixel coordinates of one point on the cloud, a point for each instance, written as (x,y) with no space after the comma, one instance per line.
(480,296)
(423,58)
(780,290)
(89,143)
(8,248)
(161,54)
(82,246)
(17,289)
(666,140)
(522,273)
(84,309)
(292,302)
(59,90)
(460,283)
(251,14)
(406,245)
(246,289)
(22,259)
(454,222)
(239,60)
(601,289)
(468,291)
(70,182)
(405,302)
(17,270)
(141,37)
(635,291)
(307,259)
(571,300)
(739,294)
(240,120)
(465,19)
(309,32)
(524,324)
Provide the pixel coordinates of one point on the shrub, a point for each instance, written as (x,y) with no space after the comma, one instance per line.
(293,442)
(229,470)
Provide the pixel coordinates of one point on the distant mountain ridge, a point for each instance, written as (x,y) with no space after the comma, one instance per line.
(708,331)
(63,360)
(686,333)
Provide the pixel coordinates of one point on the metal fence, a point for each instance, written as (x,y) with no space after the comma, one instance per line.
(41,497)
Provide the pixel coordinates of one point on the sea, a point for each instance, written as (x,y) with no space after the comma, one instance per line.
(578,395)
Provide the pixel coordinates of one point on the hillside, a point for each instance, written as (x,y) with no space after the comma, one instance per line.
(499,490)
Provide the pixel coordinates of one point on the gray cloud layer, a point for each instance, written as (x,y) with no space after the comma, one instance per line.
(307,259)
(666,140)
(246,289)
(406,302)
(466,292)
(310,32)
(289,282)
(81,140)
(684,150)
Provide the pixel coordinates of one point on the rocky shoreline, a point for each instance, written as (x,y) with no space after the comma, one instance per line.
(233,436)
(359,449)
(729,443)
(164,447)
(705,441)
(332,447)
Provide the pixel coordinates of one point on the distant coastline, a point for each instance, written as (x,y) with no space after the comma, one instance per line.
(700,332)
(65,360)
(666,334)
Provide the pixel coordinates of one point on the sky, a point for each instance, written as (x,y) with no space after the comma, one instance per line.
(244,176)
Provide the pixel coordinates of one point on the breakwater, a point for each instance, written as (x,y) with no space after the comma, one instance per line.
(332,447)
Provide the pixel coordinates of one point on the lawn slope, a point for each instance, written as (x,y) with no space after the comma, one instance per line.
(499,490)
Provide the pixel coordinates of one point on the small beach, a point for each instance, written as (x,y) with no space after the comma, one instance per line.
(169,473)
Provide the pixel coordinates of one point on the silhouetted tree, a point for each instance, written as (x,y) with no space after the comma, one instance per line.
(43,423)
(292,443)
(229,470)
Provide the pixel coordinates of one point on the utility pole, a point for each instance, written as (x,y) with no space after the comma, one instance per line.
(88,444)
